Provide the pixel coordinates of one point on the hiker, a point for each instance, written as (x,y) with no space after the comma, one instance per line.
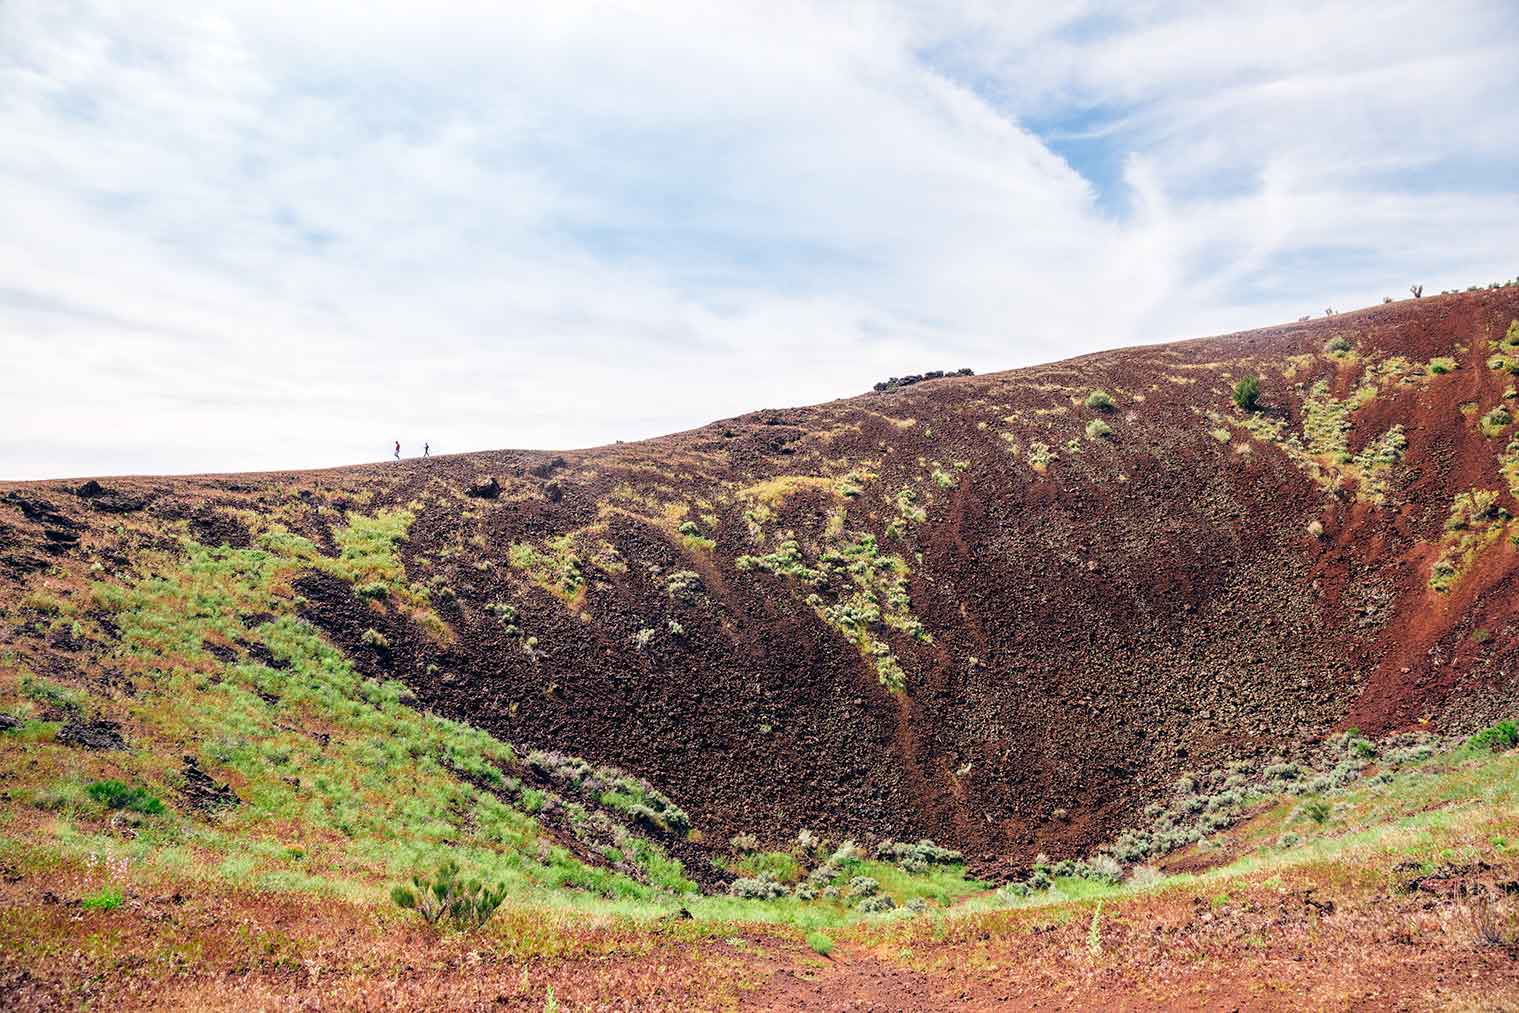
(398,450)
(427,450)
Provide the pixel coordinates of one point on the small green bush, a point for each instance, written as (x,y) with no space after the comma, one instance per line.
(1337,345)
(1316,810)
(374,589)
(1247,393)
(1098,429)
(1498,737)
(1440,365)
(107,899)
(1103,869)
(1362,748)
(1100,400)
(1413,754)
(115,795)
(777,865)
(464,904)
(1495,421)
(821,944)
(863,886)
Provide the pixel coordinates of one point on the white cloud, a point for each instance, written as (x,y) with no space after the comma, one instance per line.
(246,235)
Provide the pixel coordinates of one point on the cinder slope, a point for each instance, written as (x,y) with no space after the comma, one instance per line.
(1073,616)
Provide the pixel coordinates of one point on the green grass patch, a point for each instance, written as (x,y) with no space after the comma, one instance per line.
(106,899)
(116,795)
(821,944)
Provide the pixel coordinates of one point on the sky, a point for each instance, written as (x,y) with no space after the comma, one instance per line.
(243,236)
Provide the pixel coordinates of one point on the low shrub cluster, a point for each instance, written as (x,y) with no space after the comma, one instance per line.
(916,857)
(863,886)
(1497,737)
(857,589)
(612,788)
(684,586)
(1101,868)
(761,887)
(819,878)
(1495,421)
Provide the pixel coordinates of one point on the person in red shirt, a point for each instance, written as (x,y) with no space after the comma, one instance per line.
(398,450)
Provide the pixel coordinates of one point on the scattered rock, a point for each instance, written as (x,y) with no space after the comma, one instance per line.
(220,652)
(897,382)
(59,540)
(41,511)
(22,565)
(9,722)
(203,792)
(109,501)
(543,469)
(212,527)
(91,734)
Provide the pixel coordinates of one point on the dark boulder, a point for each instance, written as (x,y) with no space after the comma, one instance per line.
(109,501)
(487,488)
(118,503)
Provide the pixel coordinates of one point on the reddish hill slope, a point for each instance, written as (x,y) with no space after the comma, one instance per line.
(989,610)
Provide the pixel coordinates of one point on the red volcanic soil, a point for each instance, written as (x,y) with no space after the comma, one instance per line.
(1138,604)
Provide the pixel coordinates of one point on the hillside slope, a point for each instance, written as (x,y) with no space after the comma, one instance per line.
(994,611)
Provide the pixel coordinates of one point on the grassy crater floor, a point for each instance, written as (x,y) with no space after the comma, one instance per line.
(1404,894)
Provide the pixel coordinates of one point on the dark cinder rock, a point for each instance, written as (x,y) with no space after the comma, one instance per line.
(109,501)
(91,734)
(203,791)
(118,503)
(41,511)
(897,382)
(543,469)
(487,488)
